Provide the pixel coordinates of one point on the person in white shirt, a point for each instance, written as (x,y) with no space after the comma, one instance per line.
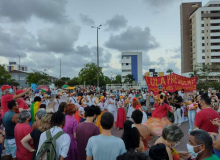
(45,100)
(56,103)
(130,108)
(62,142)
(64,97)
(112,106)
(81,110)
(72,99)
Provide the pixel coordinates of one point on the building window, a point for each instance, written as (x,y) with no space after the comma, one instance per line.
(202,25)
(203,38)
(207,25)
(203,44)
(207,56)
(127,64)
(128,70)
(202,31)
(203,51)
(203,57)
(202,12)
(207,37)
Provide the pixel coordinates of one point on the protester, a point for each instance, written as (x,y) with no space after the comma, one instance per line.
(216,137)
(96,148)
(152,101)
(6,97)
(81,110)
(200,145)
(40,113)
(159,117)
(130,107)
(56,103)
(121,116)
(131,137)
(206,115)
(20,131)
(35,134)
(176,102)
(132,155)
(171,137)
(21,103)
(45,100)
(10,119)
(63,141)
(34,107)
(87,129)
(72,99)
(145,132)
(112,106)
(79,103)
(70,128)
(158,152)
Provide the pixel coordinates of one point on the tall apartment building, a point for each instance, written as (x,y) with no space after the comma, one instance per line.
(131,63)
(200,35)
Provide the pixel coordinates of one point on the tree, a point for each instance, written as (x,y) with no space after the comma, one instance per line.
(117,80)
(129,78)
(169,71)
(88,74)
(38,78)
(5,77)
(59,83)
(65,79)
(73,82)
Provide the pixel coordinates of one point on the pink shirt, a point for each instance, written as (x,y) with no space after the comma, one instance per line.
(4,103)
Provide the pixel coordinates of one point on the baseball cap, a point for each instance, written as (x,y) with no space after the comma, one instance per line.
(4,87)
(19,91)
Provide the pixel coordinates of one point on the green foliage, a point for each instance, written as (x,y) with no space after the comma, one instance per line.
(88,74)
(5,77)
(117,80)
(169,71)
(59,83)
(65,79)
(129,78)
(73,82)
(39,78)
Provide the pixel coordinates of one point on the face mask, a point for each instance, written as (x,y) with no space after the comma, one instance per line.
(213,100)
(191,150)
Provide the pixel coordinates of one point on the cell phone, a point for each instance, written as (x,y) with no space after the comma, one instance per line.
(210,119)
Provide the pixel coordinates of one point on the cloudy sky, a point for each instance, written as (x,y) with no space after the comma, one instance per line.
(45,31)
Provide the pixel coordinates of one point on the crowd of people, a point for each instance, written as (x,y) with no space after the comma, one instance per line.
(78,125)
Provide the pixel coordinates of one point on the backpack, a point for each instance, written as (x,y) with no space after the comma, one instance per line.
(48,149)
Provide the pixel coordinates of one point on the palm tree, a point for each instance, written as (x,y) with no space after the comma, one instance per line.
(169,71)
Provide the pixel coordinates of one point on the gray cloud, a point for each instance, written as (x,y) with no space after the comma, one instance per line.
(134,38)
(23,10)
(85,19)
(177,52)
(59,38)
(159,3)
(117,22)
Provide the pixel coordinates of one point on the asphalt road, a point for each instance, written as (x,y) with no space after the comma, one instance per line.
(180,147)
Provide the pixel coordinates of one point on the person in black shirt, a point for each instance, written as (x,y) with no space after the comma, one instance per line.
(177,100)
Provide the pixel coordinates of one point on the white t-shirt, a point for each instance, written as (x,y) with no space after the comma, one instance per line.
(121,103)
(131,97)
(112,107)
(144,119)
(72,100)
(62,143)
(56,104)
(81,109)
(102,106)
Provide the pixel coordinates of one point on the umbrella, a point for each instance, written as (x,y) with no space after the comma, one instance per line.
(44,87)
(70,88)
(65,86)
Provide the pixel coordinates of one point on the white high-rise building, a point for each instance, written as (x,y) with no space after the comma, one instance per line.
(131,63)
(204,36)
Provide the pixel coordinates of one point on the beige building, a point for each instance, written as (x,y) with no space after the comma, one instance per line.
(200,35)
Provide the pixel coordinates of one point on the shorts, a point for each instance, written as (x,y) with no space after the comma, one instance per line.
(152,103)
(10,147)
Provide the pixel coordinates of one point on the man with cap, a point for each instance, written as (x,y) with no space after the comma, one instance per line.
(21,103)
(6,97)
(112,106)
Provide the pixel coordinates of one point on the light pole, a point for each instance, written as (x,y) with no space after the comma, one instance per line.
(19,67)
(97,52)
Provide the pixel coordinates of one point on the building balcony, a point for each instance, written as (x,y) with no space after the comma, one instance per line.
(126,60)
(215,21)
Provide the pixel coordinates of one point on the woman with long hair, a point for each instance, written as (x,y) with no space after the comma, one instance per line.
(35,134)
(131,137)
(70,128)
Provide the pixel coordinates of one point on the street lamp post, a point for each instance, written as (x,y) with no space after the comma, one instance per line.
(19,67)
(97,52)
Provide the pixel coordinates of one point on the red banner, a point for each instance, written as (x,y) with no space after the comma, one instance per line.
(171,83)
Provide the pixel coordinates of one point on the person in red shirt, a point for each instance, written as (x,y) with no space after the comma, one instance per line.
(21,103)
(206,115)
(159,117)
(21,130)
(6,97)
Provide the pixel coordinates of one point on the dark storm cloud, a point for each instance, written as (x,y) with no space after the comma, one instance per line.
(85,19)
(23,10)
(133,39)
(59,38)
(117,22)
